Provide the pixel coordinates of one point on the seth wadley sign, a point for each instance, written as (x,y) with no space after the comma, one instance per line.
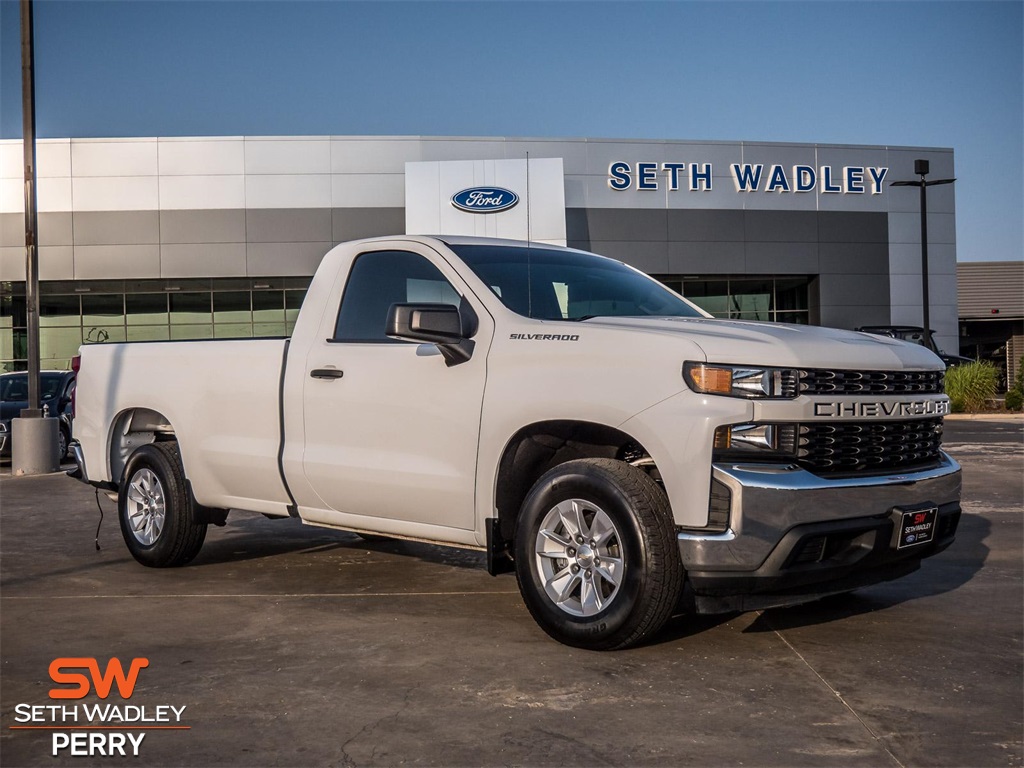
(749,177)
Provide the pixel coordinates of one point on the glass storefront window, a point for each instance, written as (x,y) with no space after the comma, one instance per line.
(791,294)
(148,333)
(112,311)
(671,283)
(185,332)
(268,313)
(6,343)
(103,318)
(710,295)
(60,343)
(292,303)
(751,299)
(59,311)
(796,318)
(146,309)
(269,329)
(97,334)
(189,308)
(783,299)
(232,307)
(268,307)
(232,330)
(100,309)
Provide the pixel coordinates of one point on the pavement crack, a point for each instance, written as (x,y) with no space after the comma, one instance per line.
(370,728)
(837,694)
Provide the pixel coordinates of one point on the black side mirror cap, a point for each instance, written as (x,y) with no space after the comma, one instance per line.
(432,323)
(440,324)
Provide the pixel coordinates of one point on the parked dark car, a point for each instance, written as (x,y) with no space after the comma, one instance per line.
(916,335)
(55,399)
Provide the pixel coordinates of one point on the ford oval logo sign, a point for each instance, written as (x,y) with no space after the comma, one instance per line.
(484,199)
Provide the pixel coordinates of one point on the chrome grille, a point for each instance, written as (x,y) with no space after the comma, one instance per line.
(825,382)
(868,446)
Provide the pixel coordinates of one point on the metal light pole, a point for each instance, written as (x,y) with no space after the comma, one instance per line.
(921,168)
(33,438)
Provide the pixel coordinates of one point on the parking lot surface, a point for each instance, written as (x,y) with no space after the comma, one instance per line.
(291,645)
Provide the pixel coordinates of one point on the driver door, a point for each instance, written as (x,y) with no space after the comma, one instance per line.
(393,434)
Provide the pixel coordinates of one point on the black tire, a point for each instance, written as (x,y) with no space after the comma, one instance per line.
(178,540)
(651,577)
(63,442)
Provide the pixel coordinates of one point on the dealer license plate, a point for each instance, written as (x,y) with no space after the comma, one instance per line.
(917,527)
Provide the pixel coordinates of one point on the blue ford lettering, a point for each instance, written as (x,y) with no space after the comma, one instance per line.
(484,199)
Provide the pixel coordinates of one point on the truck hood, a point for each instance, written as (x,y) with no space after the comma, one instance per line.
(799,346)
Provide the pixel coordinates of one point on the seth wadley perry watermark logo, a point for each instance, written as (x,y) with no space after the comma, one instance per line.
(103,729)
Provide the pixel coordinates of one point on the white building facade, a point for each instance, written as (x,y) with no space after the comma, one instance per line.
(217,237)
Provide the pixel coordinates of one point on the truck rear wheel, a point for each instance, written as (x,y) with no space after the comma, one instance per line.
(596,555)
(155,508)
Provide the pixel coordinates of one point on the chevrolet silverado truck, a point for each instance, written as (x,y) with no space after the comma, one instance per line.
(625,454)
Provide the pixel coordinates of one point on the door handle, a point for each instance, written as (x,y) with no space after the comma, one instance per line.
(326,373)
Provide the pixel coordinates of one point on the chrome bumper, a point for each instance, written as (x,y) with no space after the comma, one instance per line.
(776,510)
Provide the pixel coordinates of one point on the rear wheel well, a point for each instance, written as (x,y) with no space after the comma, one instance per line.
(539,447)
(141,426)
(134,428)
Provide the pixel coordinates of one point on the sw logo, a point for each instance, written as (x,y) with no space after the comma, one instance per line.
(90,744)
(104,729)
(102,682)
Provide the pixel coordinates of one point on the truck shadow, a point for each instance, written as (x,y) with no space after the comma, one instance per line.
(78,569)
(685,625)
(251,537)
(429,553)
(938,575)
(248,537)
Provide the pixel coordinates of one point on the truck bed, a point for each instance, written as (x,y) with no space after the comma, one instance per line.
(222,399)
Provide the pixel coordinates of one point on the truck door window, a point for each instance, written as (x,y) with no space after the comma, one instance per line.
(379,279)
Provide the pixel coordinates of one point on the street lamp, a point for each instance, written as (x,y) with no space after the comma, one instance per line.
(921,168)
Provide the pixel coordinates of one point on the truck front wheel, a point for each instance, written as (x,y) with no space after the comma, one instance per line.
(596,555)
(155,508)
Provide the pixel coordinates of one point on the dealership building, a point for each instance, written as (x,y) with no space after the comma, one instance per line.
(217,237)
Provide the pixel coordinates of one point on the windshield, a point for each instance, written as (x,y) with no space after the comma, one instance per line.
(564,285)
(14,387)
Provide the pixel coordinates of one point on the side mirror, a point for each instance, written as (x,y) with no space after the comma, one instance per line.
(431,323)
(440,324)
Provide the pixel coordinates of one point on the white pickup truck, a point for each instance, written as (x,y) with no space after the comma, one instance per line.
(627,455)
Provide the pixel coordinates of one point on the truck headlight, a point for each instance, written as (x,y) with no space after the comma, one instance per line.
(751,382)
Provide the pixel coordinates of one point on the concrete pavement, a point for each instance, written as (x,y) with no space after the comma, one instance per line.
(291,645)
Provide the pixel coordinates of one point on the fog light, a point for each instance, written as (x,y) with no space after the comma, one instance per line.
(756,441)
(719,506)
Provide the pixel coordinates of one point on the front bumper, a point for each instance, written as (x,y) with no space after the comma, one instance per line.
(795,536)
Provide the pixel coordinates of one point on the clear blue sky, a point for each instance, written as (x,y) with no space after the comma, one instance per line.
(944,74)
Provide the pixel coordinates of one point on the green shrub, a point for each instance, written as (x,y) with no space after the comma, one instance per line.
(1014,400)
(970,385)
(1015,395)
